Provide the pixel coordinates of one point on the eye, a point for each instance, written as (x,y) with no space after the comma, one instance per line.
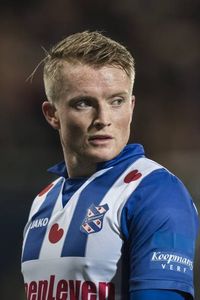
(117,102)
(82,104)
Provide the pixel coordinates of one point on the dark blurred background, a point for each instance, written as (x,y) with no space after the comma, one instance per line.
(164,37)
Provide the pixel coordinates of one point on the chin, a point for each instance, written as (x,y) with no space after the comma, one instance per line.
(103,155)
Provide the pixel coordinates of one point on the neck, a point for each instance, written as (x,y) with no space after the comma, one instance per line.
(79,167)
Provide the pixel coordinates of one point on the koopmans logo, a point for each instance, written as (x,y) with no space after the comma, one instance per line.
(172,262)
(93,221)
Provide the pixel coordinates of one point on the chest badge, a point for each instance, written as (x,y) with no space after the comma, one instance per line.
(93,221)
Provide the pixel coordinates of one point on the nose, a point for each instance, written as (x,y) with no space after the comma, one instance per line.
(102,118)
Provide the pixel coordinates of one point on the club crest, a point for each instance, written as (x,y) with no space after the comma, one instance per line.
(93,221)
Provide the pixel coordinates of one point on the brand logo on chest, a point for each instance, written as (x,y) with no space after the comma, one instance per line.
(39,223)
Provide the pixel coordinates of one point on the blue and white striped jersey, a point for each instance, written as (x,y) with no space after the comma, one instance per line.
(132,225)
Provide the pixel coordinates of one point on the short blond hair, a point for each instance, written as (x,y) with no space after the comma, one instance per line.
(90,48)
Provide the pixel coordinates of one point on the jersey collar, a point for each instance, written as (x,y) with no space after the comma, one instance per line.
(128,152)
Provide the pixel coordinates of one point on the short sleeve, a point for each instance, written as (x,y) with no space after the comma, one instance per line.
(160,223)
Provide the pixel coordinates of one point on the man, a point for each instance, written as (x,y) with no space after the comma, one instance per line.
(114,225)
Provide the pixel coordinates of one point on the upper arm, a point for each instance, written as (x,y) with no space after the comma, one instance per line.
(160,225)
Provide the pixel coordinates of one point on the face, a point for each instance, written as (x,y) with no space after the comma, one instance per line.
(94,113)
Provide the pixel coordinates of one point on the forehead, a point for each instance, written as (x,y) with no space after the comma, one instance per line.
(81,77)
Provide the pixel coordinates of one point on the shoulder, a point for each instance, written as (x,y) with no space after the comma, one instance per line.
(164,188)
(160,197)
(152,175)
(159,185)
(150,185)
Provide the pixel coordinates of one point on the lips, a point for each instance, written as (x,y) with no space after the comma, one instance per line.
(99,139)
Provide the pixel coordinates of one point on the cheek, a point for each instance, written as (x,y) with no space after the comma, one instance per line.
(124,129)
(124,123)
(71,130)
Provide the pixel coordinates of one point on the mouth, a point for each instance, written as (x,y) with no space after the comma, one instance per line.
(100,139)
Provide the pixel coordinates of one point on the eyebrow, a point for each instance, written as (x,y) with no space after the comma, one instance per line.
(81,97)
(87,97)
(119,94)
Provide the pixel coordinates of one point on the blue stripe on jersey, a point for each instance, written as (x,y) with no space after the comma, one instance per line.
(36,234)
(75,241)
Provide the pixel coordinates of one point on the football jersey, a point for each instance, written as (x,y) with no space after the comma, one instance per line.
(132,225)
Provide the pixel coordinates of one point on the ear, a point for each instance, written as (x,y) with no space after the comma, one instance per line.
(133,102)
(51,114)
